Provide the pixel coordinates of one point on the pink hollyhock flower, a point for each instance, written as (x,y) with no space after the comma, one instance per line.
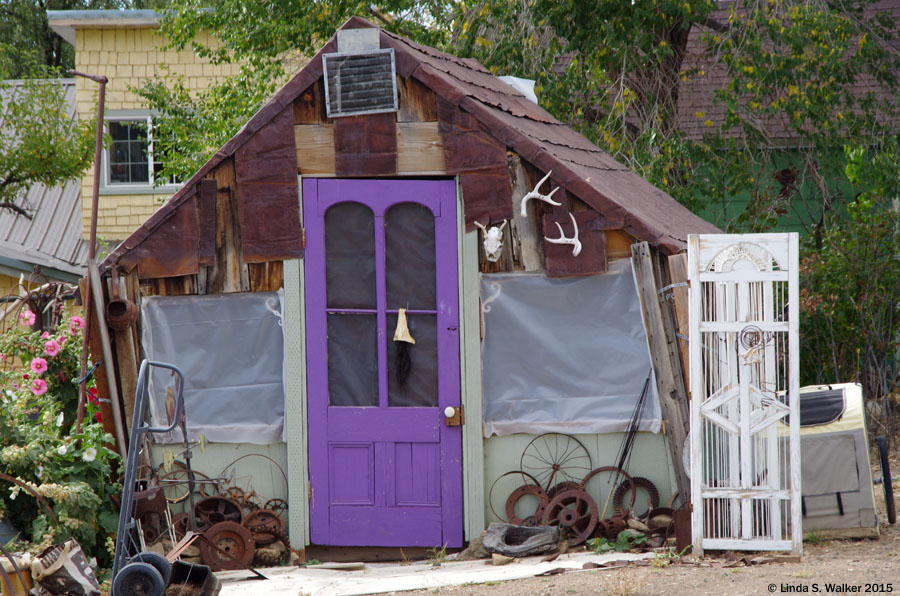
(39,386)
(62,339)
(61,376)
(39,366)
(76,322)
(51,348)
(27,317)
(45,335)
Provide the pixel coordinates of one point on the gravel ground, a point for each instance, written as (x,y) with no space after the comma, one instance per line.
(829,567)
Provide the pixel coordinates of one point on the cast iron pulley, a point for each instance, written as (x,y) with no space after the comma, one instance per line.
(575,512)
(526,490)
(265,525)
(227,545)
(213,510)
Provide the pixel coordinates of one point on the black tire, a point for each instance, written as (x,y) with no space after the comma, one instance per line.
(159,562)
(138,579)
(888,481)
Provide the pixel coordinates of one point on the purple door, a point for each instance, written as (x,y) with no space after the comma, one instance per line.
(385,470)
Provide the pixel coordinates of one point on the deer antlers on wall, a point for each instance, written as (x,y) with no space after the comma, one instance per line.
(574,241)
(535,194)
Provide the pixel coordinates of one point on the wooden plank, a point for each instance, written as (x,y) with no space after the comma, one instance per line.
(206,216)
(471,381)
(126,358)
(679,274)
(295,418)
(106,349)
(618,244)
(266,277)
(309,107)
(417,102)
(315,148)
(525,241)
(100,379)
(671,403)
(419,148)
(229,274)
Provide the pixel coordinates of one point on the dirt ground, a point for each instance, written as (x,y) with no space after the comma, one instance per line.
(827,567)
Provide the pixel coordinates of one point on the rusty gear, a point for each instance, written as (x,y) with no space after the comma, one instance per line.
(264,524)
(575,512)
(618,472)
(227,545)
(639,482)
(279,537)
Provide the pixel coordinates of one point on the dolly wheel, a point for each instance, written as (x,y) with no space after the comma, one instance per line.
(138,579)
(159,562)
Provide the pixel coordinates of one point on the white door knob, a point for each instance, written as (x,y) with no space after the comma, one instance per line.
(449,412)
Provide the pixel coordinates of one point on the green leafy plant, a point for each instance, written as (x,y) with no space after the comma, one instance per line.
(40,448)
(624,542)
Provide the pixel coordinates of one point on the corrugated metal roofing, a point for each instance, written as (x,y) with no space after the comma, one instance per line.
(52,238)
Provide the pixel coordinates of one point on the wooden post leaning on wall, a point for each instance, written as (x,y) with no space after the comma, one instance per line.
(127,347)
(674,405)
(679,277)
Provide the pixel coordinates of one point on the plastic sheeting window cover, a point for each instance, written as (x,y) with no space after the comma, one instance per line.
(565,355)
(231,351)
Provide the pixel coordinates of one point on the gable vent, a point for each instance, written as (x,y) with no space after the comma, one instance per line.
(360,83)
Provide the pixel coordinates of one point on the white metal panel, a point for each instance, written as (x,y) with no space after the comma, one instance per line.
(744,358)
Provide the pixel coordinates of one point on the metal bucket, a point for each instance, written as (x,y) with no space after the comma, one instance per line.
(197,576)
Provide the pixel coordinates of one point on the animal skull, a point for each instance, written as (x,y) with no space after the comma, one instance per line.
(493,241)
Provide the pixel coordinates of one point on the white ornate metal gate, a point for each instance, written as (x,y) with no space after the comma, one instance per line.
(744,357)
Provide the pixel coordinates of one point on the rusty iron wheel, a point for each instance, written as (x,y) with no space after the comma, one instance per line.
(524,491)
(227,545)
(555,457)
(575,512)
(525,477)
(265,525)
(213,510)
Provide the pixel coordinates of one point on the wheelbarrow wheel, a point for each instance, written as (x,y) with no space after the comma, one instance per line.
(159,562)
(138,579)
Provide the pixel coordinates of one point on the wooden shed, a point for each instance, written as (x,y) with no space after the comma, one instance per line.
(287,276)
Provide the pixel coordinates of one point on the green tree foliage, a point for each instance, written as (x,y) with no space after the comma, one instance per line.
(39,141)
(27,42)
(850,279)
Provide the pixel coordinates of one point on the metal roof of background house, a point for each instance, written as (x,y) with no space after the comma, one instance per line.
(697,93)
(52,238)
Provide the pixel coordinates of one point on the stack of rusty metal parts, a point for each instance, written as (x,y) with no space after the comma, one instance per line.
(557,480)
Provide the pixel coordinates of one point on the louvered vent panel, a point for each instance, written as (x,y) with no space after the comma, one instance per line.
(360,83)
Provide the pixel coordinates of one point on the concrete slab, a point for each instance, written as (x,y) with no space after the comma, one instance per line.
(375,578)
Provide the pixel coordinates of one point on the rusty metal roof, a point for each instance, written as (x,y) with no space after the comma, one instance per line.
(586,171)
(52,238)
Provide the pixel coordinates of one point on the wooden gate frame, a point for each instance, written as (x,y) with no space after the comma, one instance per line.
(784,248)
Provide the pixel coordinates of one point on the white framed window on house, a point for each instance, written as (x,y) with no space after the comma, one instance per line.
(130,164)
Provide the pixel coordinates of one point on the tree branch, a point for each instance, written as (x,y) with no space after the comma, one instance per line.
(16,209)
